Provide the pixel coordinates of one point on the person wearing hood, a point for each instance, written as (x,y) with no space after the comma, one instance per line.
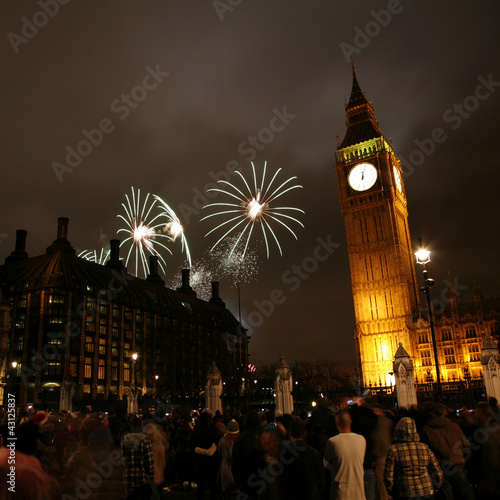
(138,475)
(449,444)
(411,469)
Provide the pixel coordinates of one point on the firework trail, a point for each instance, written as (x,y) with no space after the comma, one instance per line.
(91,255)
(173,228)
(249,207)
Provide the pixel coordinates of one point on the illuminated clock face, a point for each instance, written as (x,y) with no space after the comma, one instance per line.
(362,177)
(397,178)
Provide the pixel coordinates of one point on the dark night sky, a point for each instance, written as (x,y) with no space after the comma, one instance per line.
(225,79)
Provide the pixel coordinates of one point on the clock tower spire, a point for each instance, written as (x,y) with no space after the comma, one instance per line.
(374,206)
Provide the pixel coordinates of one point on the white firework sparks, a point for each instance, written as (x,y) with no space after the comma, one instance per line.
(254,207)
(234,263)
(200,279)
(173,227)
(144,230)
(92,256)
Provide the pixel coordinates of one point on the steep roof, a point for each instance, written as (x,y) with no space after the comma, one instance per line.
(362,124)
(61,269)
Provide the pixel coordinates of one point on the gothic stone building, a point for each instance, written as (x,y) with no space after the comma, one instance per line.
(70,316)
(384,284)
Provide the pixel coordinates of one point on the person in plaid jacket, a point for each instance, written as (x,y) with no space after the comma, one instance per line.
(139,466)
(411,469)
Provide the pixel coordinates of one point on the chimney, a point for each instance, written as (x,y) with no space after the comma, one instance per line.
(215,299)
(153,271)
(62,228)
(114,255)
(185,287)
(185,278)
(20,249)
(215,290)
(21,241)
(153,264)
(61,244)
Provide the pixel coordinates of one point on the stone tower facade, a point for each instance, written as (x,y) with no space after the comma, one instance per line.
(374,205)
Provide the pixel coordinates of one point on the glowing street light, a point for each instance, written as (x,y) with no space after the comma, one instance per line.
(134,359)
(423,257)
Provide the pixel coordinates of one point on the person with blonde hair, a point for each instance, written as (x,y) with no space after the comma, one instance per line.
(226,444)
(159,444)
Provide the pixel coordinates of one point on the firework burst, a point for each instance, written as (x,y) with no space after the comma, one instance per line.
(91,255)
(251,207)
(233,263)
(144,231)
(201,275)
(173,228)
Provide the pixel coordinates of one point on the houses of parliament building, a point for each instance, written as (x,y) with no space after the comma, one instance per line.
(382,265)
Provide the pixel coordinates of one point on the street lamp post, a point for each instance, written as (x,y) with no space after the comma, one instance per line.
(154,385)
(11,376)
(424,257)
(134,359)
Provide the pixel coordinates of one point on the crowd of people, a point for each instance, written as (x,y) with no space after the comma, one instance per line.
(360,451)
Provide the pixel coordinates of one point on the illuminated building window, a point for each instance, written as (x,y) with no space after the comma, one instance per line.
(90,327)
(389,307)
(20,321)
(379,229)
(384,268)
(426,357)
(86,389)
(447,335)
(364,231)
(73,369)
(56,320)
(102,330)
(449,355)
(102,346)
(474,354)
(423,338)
(470,333)
(369,268)
(53,368)
(102,370)
(373,307)
(89,346)
(88,368)
(126,375)
(21,303)
(56,299)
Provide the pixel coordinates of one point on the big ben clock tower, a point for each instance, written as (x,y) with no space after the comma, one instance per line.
(373,201)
